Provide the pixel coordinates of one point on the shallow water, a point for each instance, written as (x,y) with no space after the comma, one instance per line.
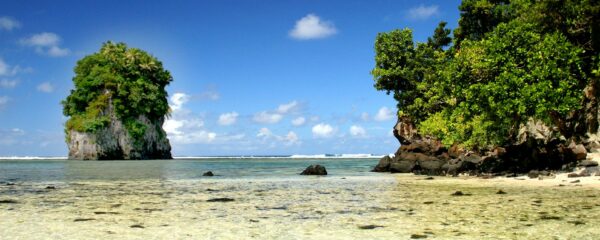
(172,202)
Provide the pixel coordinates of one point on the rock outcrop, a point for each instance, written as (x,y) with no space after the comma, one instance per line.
(537,148)
(118,106)
(314,170)
(114,142)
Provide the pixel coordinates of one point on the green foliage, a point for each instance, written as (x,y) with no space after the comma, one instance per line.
(515,62)
(405,70)
(128,79)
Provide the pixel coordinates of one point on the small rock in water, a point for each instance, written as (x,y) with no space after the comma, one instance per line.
(220,200)
(50,187)
(10,183)
(208,174)
(577,222)
(418,236)
(588,163)
(576,181)
(533,174)
(136,226)
(8,201)
(314,170)
(371,226)
(83,219)
(459,193)
(550,217)
(573,175)
(500,192)
(429,178)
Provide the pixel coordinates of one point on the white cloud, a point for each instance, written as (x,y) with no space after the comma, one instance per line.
(266,117)
(210,95)
(45,87)
(6,83)
(10,136)
(226,119)
(384,114)
(357,131)
(4,101)
(56,51)
(201,136)
(364,116)
(322,130)
(288,107)
(291,138)
(184,128)
(4,68)
(264,133)
(275,116)
(8,23)
(299,121)
(312,27)
(46,43)
(45,39)
(177,101)
(423,12)
(7,70)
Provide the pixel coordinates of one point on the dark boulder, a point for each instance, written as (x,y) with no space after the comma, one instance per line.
(431,166)
(208,174)
(533,174)
(383,165)
(403,166)
(591,171)
(579,151)
(314,170)
(587,163)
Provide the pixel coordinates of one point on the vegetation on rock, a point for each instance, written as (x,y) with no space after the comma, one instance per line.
(128,80)
(508,62)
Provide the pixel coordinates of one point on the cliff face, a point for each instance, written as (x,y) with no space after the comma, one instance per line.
(114,141)
(537,147)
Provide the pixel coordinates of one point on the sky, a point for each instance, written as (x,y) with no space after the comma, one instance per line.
(268,77)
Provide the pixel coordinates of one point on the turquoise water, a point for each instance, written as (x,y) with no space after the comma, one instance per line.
(224,168)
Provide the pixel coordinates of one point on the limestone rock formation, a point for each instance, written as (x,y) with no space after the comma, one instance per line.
(537,148)
(118,106)
(115,143)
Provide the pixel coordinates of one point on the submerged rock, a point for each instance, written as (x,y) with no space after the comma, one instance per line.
(220,200)
(314,170)
(208,174)
(371,226)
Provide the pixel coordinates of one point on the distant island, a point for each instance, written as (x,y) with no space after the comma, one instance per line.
(117,107)
(515,89)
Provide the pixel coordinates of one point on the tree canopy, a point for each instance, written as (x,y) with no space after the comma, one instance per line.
(132,80)
(508,62)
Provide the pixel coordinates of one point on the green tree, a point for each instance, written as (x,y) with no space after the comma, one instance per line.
(511,61)
(127,79)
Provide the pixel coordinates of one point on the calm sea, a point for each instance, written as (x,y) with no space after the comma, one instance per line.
(224,168)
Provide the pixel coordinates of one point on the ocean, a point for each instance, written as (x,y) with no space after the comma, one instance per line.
(266,198)
(273,167)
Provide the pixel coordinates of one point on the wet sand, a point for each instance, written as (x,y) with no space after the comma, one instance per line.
(386,206)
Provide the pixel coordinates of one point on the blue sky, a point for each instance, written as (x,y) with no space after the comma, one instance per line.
(250,77)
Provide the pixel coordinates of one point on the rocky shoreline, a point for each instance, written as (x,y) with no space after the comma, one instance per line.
(538,150)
